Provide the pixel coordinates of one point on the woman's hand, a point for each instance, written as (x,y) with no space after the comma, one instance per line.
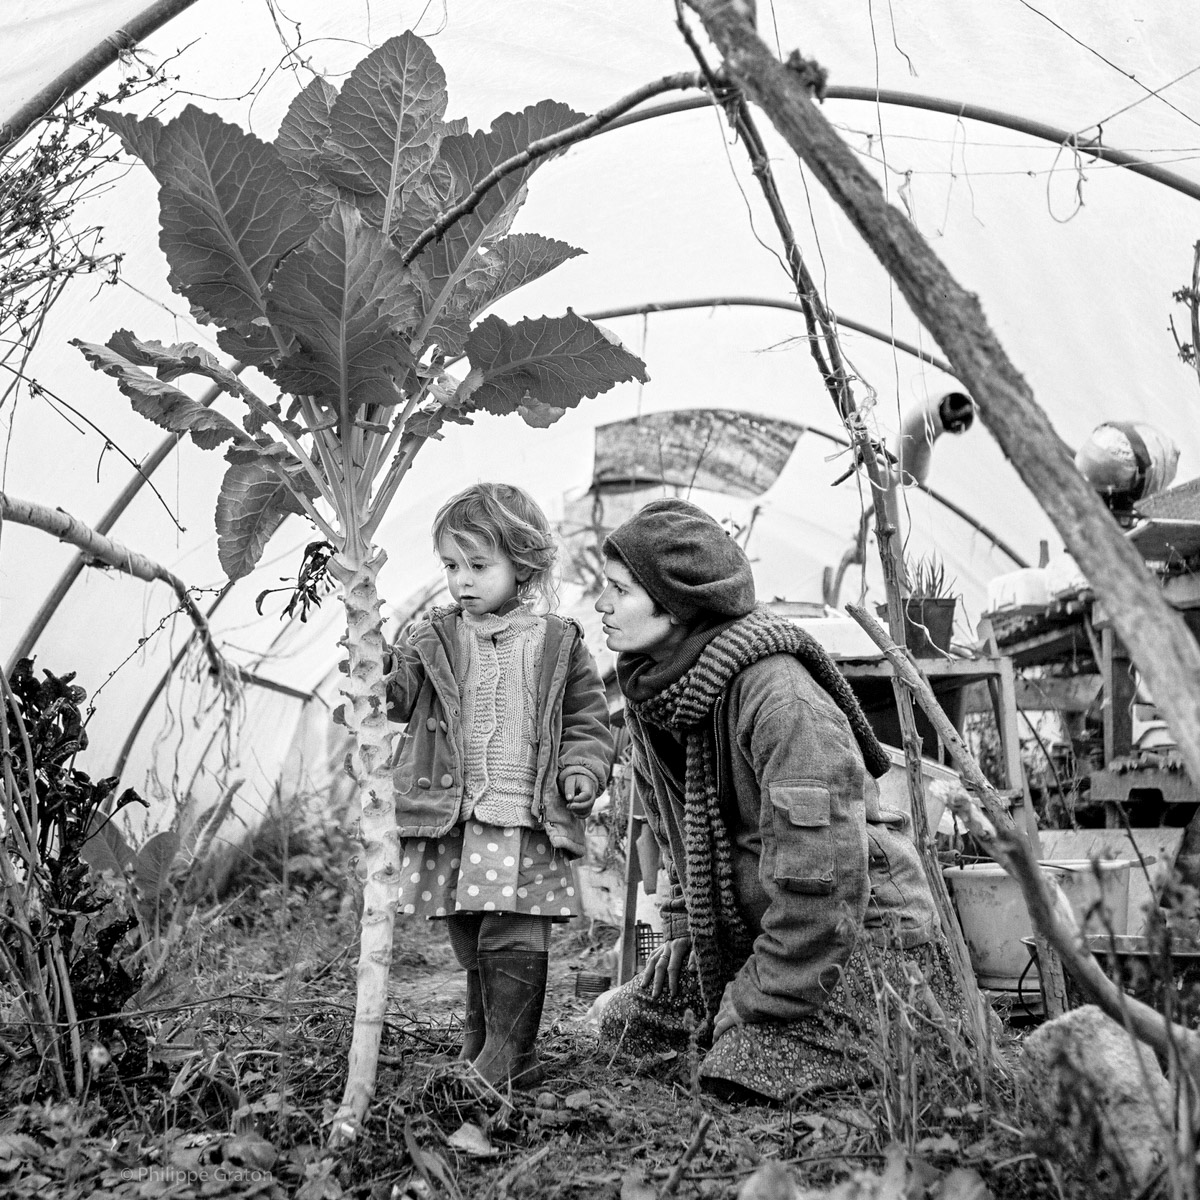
(727,1016)
(666,965)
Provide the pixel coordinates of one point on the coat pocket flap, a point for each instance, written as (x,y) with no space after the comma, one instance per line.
(806,804)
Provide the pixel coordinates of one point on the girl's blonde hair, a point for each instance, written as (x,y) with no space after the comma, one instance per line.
(508,519)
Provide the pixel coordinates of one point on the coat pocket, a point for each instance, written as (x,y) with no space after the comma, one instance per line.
(804,852)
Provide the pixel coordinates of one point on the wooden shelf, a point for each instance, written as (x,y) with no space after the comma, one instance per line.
(961,670)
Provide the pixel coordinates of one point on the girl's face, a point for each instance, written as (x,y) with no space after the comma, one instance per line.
(631,624)
(481,577)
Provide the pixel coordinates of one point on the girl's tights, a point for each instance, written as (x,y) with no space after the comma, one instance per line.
(471,932)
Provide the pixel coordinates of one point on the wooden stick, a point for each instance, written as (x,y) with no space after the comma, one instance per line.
(676,1176)
(883,482)
(526,1164)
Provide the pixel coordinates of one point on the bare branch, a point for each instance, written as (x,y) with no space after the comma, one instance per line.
(556,141)
(101,549)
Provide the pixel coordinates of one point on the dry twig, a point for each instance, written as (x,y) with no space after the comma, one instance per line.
(671,1186)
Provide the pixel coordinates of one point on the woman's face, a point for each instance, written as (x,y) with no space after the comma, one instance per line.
(631,624)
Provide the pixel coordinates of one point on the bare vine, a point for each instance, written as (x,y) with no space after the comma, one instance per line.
(1190,298)
(44,178)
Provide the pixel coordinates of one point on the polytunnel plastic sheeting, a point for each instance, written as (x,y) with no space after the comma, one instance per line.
(270,749)
(1075,262)
(42,40)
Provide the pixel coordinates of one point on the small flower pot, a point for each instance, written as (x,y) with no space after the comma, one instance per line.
(928,624)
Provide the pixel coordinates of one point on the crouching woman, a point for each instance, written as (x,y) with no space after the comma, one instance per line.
(793,894)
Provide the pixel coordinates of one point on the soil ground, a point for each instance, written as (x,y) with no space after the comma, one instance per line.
(223,1079)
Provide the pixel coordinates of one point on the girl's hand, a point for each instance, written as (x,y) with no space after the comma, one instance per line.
(727,1016)
(579,791)
(665,966)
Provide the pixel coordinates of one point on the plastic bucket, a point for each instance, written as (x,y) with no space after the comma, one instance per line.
(994,920)
(937,781)
(1100,905)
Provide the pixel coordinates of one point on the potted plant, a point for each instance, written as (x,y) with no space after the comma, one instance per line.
(928,608)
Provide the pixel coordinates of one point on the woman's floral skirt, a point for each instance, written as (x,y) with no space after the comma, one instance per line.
(842,1044)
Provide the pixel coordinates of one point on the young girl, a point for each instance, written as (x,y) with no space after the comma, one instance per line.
(505,751)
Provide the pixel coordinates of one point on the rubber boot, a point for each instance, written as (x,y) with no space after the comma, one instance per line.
(474,1031)
(514,988)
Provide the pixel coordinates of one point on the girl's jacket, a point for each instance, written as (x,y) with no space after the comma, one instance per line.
(572,728)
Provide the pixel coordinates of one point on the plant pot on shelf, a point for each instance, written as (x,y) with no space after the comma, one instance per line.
(928,624)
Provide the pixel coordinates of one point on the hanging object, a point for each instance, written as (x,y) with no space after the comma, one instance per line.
(714,449)
(721,450)
(912,451)
(1126,461)
(952,412)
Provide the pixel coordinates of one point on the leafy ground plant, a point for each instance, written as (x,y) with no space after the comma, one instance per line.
(244,1067)
(322,260)
(60,942)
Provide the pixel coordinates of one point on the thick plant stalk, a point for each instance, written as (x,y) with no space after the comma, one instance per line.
(59,966)
(1011,848)
(365,714)
(28,977)
(1158,640)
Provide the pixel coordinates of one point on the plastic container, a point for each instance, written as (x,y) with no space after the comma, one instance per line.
(994,920)
(648,939)
(939,783)
(840,636)
(1100,905)
(1026,588)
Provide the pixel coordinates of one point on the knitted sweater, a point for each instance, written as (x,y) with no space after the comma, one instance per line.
(498,691)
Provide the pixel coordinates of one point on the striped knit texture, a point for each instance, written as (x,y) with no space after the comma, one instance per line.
(498,691)
(719,935)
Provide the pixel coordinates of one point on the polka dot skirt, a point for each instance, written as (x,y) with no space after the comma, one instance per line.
(483,868)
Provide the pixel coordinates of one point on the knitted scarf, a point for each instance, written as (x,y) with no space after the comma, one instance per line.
(719,935)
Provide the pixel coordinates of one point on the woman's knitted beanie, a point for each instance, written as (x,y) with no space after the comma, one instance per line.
(687,562)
